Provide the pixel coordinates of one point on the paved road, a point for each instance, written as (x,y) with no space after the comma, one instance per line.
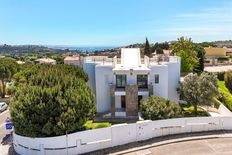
(5,140)
(218,68)
(3,117)
(216,146)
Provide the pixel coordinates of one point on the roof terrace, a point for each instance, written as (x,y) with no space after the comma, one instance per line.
(130,58)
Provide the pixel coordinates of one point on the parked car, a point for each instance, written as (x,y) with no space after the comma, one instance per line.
(3,106)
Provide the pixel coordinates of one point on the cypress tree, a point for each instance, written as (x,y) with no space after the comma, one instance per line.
(147,50)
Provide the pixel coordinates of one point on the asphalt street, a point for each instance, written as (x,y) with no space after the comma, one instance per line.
(3,117)
(217,146)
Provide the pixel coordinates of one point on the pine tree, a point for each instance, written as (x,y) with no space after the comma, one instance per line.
(147,50)
(199,68)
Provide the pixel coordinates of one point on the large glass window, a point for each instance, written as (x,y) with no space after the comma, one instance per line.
(142,81)
(120,81)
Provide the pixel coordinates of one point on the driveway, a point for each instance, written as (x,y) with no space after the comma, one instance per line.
(3,117)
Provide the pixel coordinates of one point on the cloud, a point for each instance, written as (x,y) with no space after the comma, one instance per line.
(211,23)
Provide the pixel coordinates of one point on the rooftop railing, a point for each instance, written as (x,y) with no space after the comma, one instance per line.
(158,59)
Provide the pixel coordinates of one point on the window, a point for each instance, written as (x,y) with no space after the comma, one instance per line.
(156,78)
(120,81)
(142,81)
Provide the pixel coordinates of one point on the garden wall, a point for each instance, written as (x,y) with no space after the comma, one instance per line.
(223,110)
(91,140)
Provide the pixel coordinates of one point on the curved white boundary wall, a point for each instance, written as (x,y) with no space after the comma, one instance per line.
(91,140)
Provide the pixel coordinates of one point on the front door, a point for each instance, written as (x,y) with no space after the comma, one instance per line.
(123,102)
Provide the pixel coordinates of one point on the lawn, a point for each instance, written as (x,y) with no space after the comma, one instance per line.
(95,125)
(188,111)
(226,97)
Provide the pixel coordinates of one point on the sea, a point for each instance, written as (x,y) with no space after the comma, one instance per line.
(84,48)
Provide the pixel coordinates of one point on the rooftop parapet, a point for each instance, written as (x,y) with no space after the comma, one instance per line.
(130,57)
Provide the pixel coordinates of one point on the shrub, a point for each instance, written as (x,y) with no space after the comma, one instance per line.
(228,80)
(220,75)
(188,111)
(9,90)
(230,55)
(155,108)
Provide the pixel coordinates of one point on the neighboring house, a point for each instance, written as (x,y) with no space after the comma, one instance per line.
(46,61)
(120,83)
(165,52)
(216,56)
(20,62)
(229,51)
(74,60)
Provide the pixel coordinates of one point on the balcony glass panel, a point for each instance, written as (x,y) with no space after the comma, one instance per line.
(120,81)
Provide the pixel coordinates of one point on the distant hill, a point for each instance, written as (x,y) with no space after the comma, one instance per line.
(20,50)
(226,43)
(24,49)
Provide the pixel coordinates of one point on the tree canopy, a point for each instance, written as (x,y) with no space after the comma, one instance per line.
(155,108)
(199,89)
(199,68)
(8,67)
(50,100)
(147,50)
(159,47)
(185,48)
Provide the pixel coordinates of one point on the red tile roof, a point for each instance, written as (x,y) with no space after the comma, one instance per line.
(76,58)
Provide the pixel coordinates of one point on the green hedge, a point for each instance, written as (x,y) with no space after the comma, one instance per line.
(228,80)
(226,97)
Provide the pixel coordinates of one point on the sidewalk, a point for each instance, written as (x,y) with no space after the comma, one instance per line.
(6,147)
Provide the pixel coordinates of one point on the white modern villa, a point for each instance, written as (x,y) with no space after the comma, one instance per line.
(120,83)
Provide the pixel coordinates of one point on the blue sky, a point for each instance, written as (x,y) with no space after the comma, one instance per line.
(112,22)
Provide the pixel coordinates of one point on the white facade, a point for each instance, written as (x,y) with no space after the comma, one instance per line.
(103,72)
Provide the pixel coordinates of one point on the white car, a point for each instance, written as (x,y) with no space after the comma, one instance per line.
(3,106)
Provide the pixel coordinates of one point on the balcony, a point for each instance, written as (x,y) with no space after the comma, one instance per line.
(120,91)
